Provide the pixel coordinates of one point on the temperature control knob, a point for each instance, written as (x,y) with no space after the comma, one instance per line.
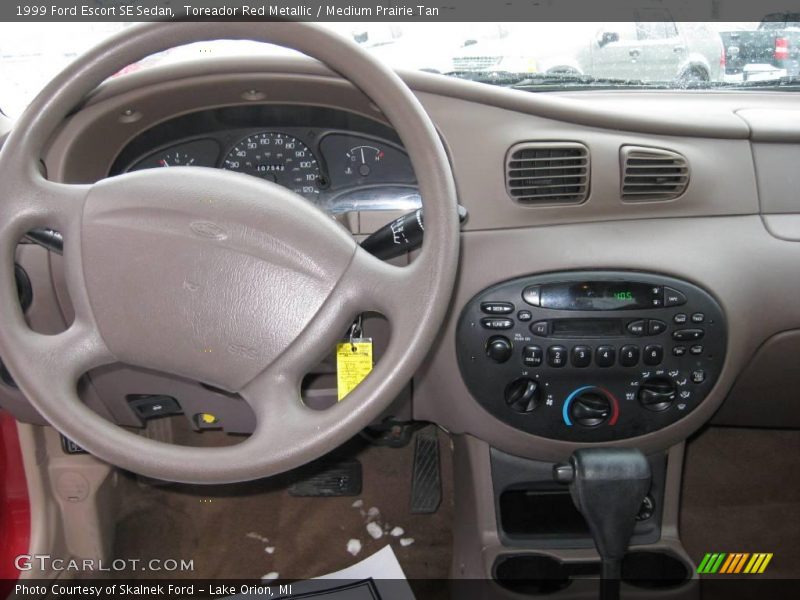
(499,348)
(523,395)
(590,408)
(657,393)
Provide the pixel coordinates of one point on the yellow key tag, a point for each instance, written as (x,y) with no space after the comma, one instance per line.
(353,364)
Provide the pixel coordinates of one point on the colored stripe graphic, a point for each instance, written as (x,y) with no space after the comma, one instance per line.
(755,560)
(704,563)
(717,563)
(739,563)
(711,562)
(732,558)
(767,558)
(734,563)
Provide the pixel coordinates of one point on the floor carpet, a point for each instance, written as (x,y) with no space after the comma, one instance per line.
(741,493)
(249,530)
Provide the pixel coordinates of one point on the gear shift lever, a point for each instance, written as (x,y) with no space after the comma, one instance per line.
(607,486)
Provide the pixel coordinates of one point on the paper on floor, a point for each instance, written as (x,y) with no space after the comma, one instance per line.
(377,577)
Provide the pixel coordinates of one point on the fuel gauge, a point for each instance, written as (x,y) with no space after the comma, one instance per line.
(362,160)
(195,153)
(175,159)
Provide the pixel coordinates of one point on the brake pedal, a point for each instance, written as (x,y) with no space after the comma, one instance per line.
(426,483)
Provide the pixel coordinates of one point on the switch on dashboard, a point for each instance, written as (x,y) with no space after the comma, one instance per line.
(151,406)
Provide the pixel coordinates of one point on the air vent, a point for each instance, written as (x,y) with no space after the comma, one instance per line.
(548,173)
(652,174)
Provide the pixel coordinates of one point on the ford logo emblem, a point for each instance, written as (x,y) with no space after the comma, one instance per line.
(209,230)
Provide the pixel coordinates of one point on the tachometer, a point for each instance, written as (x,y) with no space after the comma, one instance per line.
(277,157)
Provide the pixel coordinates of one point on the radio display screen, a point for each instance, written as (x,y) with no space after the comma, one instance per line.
(599,295)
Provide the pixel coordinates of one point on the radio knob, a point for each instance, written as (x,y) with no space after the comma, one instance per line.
(657,393)
(523,395)
(590,409)
(499,348)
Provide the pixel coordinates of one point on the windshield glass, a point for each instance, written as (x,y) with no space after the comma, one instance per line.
(651,50)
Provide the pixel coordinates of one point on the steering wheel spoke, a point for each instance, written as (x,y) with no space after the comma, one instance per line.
(31,202)
(81,342)
(394,291)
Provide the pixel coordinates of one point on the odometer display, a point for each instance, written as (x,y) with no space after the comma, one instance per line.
(277,157)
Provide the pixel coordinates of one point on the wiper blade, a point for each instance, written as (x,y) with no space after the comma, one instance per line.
(787,81)
(493,77)
(535,80)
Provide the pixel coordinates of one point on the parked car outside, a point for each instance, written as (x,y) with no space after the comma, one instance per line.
(407,48)
(771,50)
(646,49)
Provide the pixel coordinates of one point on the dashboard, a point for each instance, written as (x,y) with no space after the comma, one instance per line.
(705,243)
(610,321)
(338,160)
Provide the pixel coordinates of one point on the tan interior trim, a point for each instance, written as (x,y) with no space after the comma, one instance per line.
(696,123)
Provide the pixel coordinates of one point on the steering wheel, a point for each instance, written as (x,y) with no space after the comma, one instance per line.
(217,276)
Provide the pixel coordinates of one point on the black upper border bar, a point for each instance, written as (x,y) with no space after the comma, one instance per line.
(391,10)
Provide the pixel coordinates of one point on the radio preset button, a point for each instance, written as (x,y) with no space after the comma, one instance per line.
(496,323)
(605,356)
(654,327)
(532,356)
(629,356)
(673,297)
(556,356)
(581,356)
(532,295)
(688,335)
(540,328)
(653,355)
(636,328)
(497,308)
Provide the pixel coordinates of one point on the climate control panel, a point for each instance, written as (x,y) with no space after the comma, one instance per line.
(591,356)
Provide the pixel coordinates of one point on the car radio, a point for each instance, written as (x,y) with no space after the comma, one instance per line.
(591,356)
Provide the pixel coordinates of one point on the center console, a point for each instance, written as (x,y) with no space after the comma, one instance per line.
(591,356)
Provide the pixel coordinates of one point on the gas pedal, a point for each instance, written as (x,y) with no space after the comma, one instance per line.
(426,484)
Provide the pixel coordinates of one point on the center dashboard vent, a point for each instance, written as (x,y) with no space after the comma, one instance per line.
(548,173)
(652,174)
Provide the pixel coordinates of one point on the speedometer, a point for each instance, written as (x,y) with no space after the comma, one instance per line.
(277,157)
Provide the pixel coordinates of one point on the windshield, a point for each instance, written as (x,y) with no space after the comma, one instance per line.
(651,50)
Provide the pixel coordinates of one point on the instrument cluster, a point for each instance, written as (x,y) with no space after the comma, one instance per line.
(337,168)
